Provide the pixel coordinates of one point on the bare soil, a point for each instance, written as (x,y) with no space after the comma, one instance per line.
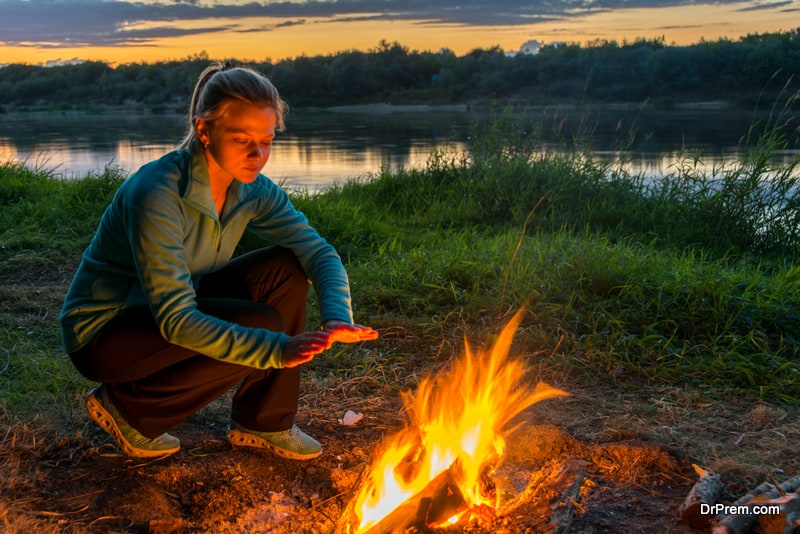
(82,484)
(640,456)
(61,473)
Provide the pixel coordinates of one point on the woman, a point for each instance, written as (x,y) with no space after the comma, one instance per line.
(160,314)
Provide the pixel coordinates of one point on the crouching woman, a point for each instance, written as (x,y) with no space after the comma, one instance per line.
(163,316)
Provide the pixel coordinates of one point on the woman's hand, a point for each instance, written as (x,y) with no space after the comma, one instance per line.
(348,333)
(303,347)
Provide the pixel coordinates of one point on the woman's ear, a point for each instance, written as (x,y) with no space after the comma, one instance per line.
(201,129)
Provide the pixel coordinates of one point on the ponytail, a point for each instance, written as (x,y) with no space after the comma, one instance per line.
(223,82)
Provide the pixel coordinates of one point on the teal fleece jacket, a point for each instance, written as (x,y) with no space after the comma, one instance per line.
(161,233)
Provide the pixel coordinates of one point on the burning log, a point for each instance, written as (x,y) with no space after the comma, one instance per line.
(438,502)
(552,498)
(705,492)
(742,523)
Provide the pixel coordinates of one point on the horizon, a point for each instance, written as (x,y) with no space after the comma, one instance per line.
(150,31)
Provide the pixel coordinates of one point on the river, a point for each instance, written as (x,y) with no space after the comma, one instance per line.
(320,147)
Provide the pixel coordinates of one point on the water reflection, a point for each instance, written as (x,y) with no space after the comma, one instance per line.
(316,149)
(74,144)
(313,163)
(320,147)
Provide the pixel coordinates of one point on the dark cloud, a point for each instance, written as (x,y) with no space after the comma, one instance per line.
(108,23)
(270,27)
(288,23)
(769,5)
(85,23)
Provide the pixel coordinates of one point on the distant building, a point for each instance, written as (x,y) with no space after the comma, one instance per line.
(531,47)
(61,62)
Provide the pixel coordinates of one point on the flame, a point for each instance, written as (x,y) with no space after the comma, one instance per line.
(457,422)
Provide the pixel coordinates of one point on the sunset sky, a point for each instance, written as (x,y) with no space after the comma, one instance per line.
(42,31)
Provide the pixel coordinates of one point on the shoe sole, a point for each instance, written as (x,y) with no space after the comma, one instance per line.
(103,418)
(244,439)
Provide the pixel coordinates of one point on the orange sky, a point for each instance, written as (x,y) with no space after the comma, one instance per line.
(260,38)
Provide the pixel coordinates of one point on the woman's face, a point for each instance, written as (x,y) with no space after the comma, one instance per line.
(238,143)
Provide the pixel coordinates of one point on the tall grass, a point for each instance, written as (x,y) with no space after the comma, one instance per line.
(687,278)
(40,210)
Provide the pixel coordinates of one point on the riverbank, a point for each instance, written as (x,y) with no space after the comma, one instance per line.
(387,107)
(383,108)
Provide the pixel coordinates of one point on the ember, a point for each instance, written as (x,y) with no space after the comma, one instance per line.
(436,471)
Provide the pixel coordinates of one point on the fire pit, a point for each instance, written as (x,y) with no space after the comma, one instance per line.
(442,468)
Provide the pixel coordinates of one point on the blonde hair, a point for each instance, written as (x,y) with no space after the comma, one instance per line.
(221,83)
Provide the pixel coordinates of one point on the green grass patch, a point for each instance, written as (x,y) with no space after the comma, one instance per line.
(40,210)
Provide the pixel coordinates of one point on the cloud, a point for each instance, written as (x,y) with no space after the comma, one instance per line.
(84,23)
(123,22)
(771,5)
(291,23)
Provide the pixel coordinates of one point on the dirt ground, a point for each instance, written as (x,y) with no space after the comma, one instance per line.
(637,441)
(635,480)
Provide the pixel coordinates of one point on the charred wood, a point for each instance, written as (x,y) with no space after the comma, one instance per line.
(564,508)
(706,491)
(743,523)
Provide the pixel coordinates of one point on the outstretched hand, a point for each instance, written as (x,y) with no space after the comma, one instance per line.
(342,332)
(304,346)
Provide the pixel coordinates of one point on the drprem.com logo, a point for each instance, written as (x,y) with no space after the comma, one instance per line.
(752,509)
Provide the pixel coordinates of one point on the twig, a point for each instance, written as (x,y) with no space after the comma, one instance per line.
(59,514)
(81,496)
(108,518)
(329,499)
(558,344)
(136,464)
(775,483)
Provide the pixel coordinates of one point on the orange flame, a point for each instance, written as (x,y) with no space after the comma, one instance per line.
(457,420)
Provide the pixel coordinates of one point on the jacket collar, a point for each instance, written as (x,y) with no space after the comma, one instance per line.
(198,186)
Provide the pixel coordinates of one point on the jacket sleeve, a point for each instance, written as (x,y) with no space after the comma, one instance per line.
(154,219)
(281,223)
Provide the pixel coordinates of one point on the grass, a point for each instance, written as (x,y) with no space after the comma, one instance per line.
(689,280)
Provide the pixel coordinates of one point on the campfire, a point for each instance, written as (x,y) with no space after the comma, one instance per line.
(437,471)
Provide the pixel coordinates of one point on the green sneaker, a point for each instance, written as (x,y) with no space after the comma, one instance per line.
(293,443)
(130,440)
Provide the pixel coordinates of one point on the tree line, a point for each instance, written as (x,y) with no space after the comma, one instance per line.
(756,66)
